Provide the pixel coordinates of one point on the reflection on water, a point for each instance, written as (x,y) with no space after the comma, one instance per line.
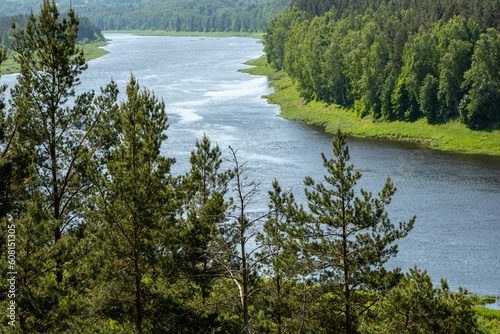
(456,197)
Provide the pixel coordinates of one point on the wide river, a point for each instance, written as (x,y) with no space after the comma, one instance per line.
(456,197)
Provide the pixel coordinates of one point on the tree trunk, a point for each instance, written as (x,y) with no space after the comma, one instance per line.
(138,309)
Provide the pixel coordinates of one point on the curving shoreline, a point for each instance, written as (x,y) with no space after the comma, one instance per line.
(453,136)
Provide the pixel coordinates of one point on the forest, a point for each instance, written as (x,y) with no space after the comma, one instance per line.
(98,236)
(173,15)
(394,60)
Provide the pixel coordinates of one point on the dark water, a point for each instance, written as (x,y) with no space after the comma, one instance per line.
(456,197)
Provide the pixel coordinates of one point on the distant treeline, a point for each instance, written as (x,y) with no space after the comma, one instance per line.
(395,60)
(87,31)
(199,15)
(174,15)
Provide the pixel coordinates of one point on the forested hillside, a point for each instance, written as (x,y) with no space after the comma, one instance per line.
(394,60)
(173,15)
(98,235)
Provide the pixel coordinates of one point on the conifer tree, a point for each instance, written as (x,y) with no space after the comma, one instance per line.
(63,128)
(351,236)
(206,188)
(136,216)
(7,133)
(282,264)
(241,230)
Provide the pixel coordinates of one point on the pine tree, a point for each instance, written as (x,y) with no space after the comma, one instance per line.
(7,134)
(234,251)
(206,188)
(61,127)
(63,135)
(282,264)
(351,236)
(241,230)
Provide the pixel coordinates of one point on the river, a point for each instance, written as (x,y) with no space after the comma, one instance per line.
(456,197)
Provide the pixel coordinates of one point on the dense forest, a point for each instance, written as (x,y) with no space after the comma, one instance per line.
(173,15)
(97,234)
(394,60)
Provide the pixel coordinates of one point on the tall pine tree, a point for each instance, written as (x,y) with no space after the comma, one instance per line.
(351,236)
(136,217)
(64,136)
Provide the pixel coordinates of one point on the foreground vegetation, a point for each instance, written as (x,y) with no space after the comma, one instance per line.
(490,319)
(451,136)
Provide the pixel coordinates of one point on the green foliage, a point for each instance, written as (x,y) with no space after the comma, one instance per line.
(281,263)
(107,240)
(430,105)
(488,313)
(55,139)
(401,101)
(487,300)
(202,16)
(489,320)
(315,7)
(171,15)
(351,236)
(87,31)
(386,109)
(480,105)
(277,32)
(135,211)
(373,57)
(205,188)
(415,306)
(451,136)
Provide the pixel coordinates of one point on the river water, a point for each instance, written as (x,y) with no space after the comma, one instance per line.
(456,197)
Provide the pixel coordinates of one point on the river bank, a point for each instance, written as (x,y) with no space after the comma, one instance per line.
(91,50)
(452,136)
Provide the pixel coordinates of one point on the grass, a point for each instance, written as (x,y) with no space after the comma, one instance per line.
(91,51)
(9,66)
(187,33)
(452,136)
(260,68)
(94,50)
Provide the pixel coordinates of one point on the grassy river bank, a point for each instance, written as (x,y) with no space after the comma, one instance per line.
(452,136)
(91,51)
